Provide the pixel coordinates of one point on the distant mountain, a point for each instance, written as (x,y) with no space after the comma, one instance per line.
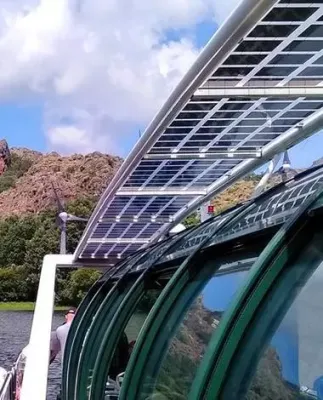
(25,187)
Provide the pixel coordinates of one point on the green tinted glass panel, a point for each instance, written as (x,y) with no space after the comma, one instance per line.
(127,341)
(142,310)
(171,308)
(122,331)
(287,357)
(94,336)
(187,347)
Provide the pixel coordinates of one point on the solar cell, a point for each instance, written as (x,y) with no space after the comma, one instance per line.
(255,90)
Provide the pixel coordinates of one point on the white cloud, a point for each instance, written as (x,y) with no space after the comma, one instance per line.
(68,136)
(99,66)
(222,9)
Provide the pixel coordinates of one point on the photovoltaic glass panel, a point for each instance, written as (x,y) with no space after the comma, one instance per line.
(212,134)
(267,212)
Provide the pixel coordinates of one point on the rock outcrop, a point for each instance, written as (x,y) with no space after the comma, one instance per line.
(28,154)
(188,348)
(74,176)
(5,157)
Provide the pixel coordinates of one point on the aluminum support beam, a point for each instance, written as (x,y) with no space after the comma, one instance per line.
(178,191)
(258,92)
(119,240)
(263,181)
(219,155)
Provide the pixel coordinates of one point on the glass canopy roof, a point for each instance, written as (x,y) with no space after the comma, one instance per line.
(253,92)
(272,209)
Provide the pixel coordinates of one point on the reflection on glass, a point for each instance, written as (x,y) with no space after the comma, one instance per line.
(142,310)
(129,337)
(191,340)
(269,383)
(292,366)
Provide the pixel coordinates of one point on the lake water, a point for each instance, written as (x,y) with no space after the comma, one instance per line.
(14,335)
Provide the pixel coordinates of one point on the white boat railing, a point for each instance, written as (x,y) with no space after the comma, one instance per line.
(8,389)
(12,383)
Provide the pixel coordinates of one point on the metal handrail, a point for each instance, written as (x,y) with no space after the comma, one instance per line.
(12,384)
(8,389)
(4,391)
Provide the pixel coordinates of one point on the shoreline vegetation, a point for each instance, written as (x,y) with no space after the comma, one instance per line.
(24,306)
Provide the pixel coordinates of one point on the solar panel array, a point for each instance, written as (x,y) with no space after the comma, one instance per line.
(214,133)
(272,210)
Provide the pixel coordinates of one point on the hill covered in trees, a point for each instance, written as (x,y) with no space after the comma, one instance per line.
(28,229)
(26,186)
(28,211)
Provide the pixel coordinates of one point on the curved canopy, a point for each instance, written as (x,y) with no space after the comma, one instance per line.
(254,91)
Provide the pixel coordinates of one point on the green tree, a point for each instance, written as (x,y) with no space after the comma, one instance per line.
(44,241)
(15,234)
(19,166)
(192,220)
(78,284)
(13,286)
(24,243)
(82,207)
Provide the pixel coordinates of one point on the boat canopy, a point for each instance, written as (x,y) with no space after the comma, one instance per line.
(254,91)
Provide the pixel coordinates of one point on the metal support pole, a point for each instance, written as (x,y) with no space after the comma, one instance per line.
(263,181)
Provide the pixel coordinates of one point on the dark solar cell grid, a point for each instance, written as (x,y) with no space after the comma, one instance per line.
(284,47)
(269,211)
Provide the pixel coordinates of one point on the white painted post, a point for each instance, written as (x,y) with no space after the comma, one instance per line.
(34,384)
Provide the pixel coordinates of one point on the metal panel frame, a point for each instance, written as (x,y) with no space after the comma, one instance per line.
(282,295)
(86,310)
(107,307)
(90,328)
(169,304)
(94,335)
(226,343)
(114,328)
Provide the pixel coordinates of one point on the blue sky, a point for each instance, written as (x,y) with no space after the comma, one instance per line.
(22,122)
(22,125)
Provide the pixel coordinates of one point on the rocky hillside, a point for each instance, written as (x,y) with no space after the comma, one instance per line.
(26,186)
(5,156)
